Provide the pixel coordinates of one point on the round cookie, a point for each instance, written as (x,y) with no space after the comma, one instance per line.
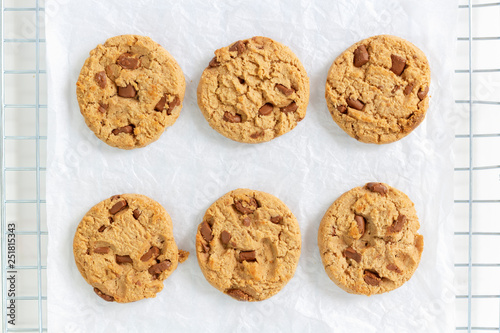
(129,90)
(376,90)
(368,239)
(248,245)
(124,247)
(254,90)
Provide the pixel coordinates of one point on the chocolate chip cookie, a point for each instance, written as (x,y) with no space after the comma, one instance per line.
(377,90)
(129,90)
(368,239)
(248,245)
(124,248)
(254,90)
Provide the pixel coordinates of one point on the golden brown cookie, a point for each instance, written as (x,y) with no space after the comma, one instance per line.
(248,245)
(377,89)
(369,241)
(124,247)
(129,90)
(254,90)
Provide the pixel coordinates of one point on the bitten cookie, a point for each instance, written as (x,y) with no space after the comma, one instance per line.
(377,89)
(368,239)
(124,247)
(254,90)
(129,90)
(248,245)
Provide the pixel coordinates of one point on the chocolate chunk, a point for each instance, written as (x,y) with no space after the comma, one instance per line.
(277,219)
(158,268)
(232,118)
(290,107)
(257,134)
(206,231)
(422,93)
(101,250)
(214,62)
(238,294)
(173,104)
(153,252)
(101,79)
(360,221)
(123,259)
(394,268)
(102,107)
(247,221)
(251,206)
(125,129)
(102,295)
(397,226)
(136,213)
(118,207)
(238,46)
(377,187)
(101,228)
(408,88)
(247,256)
(127,91)
(286,91)
(128,62)
(225,237)
(266,109)
(352,254)
(161,103)
(371,278)
(398,64)
(361,56)
(355,104)
(206,248)
(342,109)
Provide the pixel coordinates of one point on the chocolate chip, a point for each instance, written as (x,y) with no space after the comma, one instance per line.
(206,231)
(408,88)
(290,107)
(242,81)
(214,62)
(136,213)
(342,109)
(422,93)
(286,91)
(153,252)
(232,118)
(251,206)
(225,237)
(277,219)
(247,221)
(247,256)
(161,103)
(371,278)
(127,92)
(102,295)
(398,64)
(238,46)
(101,228)
(238,294)
(397,226)
(394,268)
(355,104)
(266,109)
(125,129)
(101,79)
(173,104)
(120,205)
(361,56)
(123,259)
(128,62)
(102,107)
(377,187)
(360,221)
(352,254)
(101,250)
(158,268)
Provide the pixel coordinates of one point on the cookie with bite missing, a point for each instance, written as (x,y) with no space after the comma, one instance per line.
(130,90)
(124,248)
(377,90)
(368,239)
(248,245)
(254,90)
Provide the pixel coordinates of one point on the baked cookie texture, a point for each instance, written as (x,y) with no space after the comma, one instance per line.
(248,245)
(129,90)
(368,239)
(254,90)
(377,90)
(124,247)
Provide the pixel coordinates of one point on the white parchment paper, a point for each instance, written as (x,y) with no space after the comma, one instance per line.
(191,165)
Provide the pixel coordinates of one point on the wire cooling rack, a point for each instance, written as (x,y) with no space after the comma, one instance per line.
(477,173)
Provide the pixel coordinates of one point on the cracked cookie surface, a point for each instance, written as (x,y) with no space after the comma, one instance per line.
(124,247)
(377,90)
(129,90)
(369,241)
(248,245)
(254,90)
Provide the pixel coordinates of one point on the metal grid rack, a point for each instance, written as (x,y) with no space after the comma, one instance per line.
(23,142)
